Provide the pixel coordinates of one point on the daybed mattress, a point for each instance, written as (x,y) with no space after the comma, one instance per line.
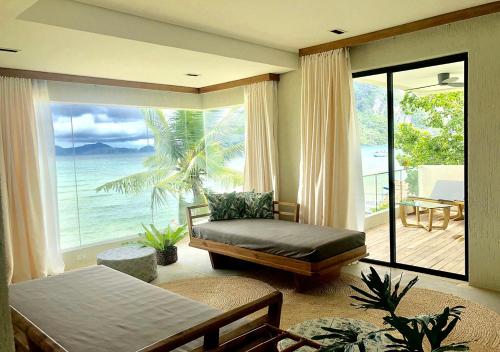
(289,239)
(99,309)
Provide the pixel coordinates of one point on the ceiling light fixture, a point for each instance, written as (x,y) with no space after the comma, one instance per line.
(192,74)
(8,50)
(337,31)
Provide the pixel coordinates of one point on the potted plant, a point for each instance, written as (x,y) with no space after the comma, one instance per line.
(163,242)
(406,334)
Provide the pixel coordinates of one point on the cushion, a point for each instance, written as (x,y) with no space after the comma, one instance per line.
(225,206)
(285,238)
(258,205)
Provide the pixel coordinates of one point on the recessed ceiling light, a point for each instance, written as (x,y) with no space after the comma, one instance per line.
(8,50)
(192,74)
(337,31)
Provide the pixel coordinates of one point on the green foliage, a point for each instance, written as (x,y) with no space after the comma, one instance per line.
(185,157)
(381,297)
(161,240)
(441,141)
(346,339)
(412,331)
(373,129)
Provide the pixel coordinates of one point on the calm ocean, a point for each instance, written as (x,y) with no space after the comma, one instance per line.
(105,215)
(109,215)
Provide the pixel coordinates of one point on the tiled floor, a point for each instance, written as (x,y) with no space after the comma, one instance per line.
(195,263)
(438,249)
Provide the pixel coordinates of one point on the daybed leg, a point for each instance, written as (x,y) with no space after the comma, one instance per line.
(218,260)
(300,282)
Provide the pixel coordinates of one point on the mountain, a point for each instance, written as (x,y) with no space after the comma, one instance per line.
(101,148)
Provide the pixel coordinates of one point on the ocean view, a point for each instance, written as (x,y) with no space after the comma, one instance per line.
(106,216)
(102,216)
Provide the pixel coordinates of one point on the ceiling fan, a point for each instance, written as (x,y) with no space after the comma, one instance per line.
(444,79)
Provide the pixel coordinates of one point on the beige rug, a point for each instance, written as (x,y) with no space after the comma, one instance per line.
(479,324)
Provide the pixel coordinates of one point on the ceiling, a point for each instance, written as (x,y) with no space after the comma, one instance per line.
(222,40)
(286,24)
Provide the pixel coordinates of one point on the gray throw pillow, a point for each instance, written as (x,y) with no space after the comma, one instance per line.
(225,206)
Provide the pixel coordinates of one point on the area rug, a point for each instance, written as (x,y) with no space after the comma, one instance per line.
(479,325)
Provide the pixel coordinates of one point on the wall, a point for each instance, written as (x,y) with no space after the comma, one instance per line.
(226,97)
(6,341)
(478,37)
(108,95)
(428,175)
(289,134)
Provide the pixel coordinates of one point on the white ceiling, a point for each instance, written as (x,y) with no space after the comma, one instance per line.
(154,40)
(286,24)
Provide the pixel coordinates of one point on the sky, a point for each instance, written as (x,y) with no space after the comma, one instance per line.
(114,125)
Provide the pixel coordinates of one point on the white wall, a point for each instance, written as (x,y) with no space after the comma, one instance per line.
(226,97)
(97,94)
(428,175)
(480,38)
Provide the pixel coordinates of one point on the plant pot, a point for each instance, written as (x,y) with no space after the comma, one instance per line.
(166,256)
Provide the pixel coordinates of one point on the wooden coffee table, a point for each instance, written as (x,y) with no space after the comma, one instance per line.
(420,207)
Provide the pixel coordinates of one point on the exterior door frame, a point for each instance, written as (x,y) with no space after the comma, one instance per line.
(389,72)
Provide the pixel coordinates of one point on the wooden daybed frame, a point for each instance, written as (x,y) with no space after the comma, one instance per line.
(261,334)
(303,271)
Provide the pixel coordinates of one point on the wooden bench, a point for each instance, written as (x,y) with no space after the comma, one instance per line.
(303,270)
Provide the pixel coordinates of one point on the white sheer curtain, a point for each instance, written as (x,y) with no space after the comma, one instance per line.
(261,151)
(24,175)
(331,183)
(48,177)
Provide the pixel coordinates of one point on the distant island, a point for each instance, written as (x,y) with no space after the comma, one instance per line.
(101,148)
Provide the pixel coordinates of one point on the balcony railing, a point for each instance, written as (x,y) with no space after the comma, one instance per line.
(376,188)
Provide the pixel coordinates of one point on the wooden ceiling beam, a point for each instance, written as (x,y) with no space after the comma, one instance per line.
(49,76)
(439,20)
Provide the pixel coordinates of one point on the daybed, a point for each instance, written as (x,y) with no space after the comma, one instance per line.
(305,250)
(99,309)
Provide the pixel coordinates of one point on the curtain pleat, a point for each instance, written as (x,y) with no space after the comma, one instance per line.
(28,180)
(331,183)
(48,176)
(261,158)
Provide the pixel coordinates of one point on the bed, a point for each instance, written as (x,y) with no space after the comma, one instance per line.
(307,251)
(99,309)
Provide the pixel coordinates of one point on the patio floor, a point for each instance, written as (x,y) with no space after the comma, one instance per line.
(439,249)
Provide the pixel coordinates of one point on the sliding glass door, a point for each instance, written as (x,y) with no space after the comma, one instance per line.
(412,122)
(371,110)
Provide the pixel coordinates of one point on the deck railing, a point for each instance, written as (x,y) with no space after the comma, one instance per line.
(376,188)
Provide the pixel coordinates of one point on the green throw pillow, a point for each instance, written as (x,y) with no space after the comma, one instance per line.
(258,205)
(225,206)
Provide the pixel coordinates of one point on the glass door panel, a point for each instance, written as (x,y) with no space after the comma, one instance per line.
(429,142)
(371,111)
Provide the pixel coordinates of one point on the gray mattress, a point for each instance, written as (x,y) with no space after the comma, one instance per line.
(289,239)
(99,309)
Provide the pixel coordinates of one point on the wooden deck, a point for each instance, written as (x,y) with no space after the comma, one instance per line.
(439,249)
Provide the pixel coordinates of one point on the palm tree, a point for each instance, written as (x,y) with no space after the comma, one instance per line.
(185,158)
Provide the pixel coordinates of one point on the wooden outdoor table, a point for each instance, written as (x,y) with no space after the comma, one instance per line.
(420,207)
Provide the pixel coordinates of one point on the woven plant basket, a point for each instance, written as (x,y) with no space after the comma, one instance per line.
(166,256)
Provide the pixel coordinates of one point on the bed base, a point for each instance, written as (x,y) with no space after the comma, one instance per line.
(261,334)
(304,272)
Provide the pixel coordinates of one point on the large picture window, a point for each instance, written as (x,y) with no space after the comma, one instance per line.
(119,167)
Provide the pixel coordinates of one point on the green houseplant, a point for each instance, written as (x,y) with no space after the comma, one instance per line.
(163,242)
(406,334)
